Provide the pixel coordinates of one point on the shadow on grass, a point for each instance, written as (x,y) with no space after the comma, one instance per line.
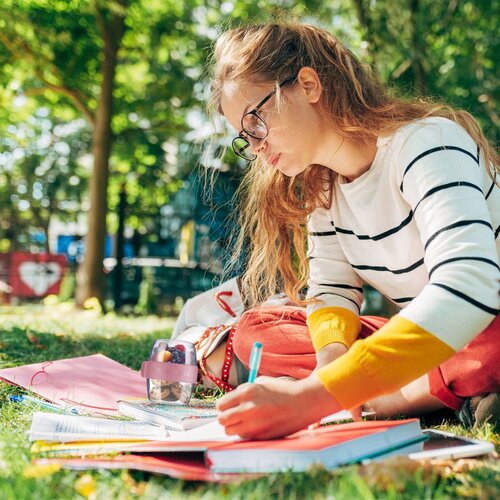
(21,346)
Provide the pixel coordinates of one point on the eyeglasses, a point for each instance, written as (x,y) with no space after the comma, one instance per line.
(252,125)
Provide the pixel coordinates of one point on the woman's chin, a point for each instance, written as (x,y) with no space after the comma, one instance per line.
(290,170)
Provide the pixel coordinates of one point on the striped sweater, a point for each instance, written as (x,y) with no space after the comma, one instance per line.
(421,226)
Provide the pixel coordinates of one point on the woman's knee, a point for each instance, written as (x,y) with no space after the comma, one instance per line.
(247,331)
(272,325)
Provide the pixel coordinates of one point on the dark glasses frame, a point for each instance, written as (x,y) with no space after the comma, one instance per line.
(244,134)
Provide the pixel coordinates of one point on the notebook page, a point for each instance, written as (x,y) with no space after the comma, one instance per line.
(60,427)
(212,431)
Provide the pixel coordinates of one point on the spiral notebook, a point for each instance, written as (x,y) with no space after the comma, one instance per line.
(172,416)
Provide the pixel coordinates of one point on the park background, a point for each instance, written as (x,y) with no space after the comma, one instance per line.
(104,133)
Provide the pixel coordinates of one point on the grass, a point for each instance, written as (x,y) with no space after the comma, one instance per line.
(32,334)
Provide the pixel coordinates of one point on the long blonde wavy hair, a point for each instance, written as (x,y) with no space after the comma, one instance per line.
(273,207)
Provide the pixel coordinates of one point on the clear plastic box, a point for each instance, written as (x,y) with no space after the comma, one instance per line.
(171,372)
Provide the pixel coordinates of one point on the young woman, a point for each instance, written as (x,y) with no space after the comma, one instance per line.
(395,193)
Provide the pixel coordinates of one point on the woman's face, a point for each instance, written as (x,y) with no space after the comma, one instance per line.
(294,127)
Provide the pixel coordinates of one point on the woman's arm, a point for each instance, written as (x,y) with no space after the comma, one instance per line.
(334,318)
(441,178)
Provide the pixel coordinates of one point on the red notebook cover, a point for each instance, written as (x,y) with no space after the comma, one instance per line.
(186,466)
(318,439)
(330,447)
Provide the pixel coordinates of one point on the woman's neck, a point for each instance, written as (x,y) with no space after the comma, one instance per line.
(348,158)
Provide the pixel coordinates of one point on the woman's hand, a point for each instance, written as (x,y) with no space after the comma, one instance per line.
(328,354)
(272,407)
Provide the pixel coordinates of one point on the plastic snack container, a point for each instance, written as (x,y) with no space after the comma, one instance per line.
(171,372)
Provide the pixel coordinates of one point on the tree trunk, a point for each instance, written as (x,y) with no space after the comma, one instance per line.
(362,11)
(90,276)
(418,48)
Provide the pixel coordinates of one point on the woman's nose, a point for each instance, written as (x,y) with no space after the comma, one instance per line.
(257,145)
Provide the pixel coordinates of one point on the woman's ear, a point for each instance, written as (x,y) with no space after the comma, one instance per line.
(309,82)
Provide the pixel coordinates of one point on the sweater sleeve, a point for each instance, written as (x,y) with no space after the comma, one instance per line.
(441,179)
(334,317)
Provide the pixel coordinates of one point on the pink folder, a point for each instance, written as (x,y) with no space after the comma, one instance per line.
(90,383)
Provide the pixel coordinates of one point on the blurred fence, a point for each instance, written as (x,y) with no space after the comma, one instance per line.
(147,284)
(31,277)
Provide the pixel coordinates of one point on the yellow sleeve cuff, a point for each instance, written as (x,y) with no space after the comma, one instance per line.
(333,324)
(390,358)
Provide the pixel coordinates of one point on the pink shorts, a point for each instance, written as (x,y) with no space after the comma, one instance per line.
(473,371)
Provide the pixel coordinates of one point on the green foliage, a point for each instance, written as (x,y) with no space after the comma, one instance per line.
(147,302)
(446,50)
(51,54)
(68,286)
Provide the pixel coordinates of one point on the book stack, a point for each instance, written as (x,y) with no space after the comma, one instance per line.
(69,436)
(184,441)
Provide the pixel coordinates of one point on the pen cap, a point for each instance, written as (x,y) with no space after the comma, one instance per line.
(171,372)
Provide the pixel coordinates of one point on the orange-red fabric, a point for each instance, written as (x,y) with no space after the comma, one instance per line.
(288,350)
(472,371)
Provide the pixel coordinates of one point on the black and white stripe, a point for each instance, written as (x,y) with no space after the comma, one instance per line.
(466,257)
(402,300)
(341,285)
(490,190)
(323,233)
(468,298)
(358,307)
(461,223)
(432,151)
(446,186)
(379,236)
(367,267)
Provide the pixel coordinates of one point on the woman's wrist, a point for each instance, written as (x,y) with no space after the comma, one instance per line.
(318,401)
(329,353)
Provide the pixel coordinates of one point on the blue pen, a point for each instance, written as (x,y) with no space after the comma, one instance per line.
(254,364)
(43,404)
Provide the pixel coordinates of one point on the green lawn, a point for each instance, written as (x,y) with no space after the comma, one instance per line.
(34,334)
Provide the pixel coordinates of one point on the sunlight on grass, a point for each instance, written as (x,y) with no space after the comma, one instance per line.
(37,333)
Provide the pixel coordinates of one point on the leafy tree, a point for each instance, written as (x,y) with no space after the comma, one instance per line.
(70,49)
(134,72)
(41,176)
(447,50)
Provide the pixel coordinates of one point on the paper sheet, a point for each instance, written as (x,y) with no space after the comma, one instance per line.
(60,427)
(208,432)
(340,416)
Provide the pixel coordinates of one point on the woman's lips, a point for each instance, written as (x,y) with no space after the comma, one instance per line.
(274,159)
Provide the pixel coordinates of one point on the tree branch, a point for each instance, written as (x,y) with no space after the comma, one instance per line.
(76,96)
(72,94)
(418,50)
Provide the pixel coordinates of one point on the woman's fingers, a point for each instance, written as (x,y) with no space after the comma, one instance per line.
(274,407)
(234,398)
(237,413)
(356,414)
